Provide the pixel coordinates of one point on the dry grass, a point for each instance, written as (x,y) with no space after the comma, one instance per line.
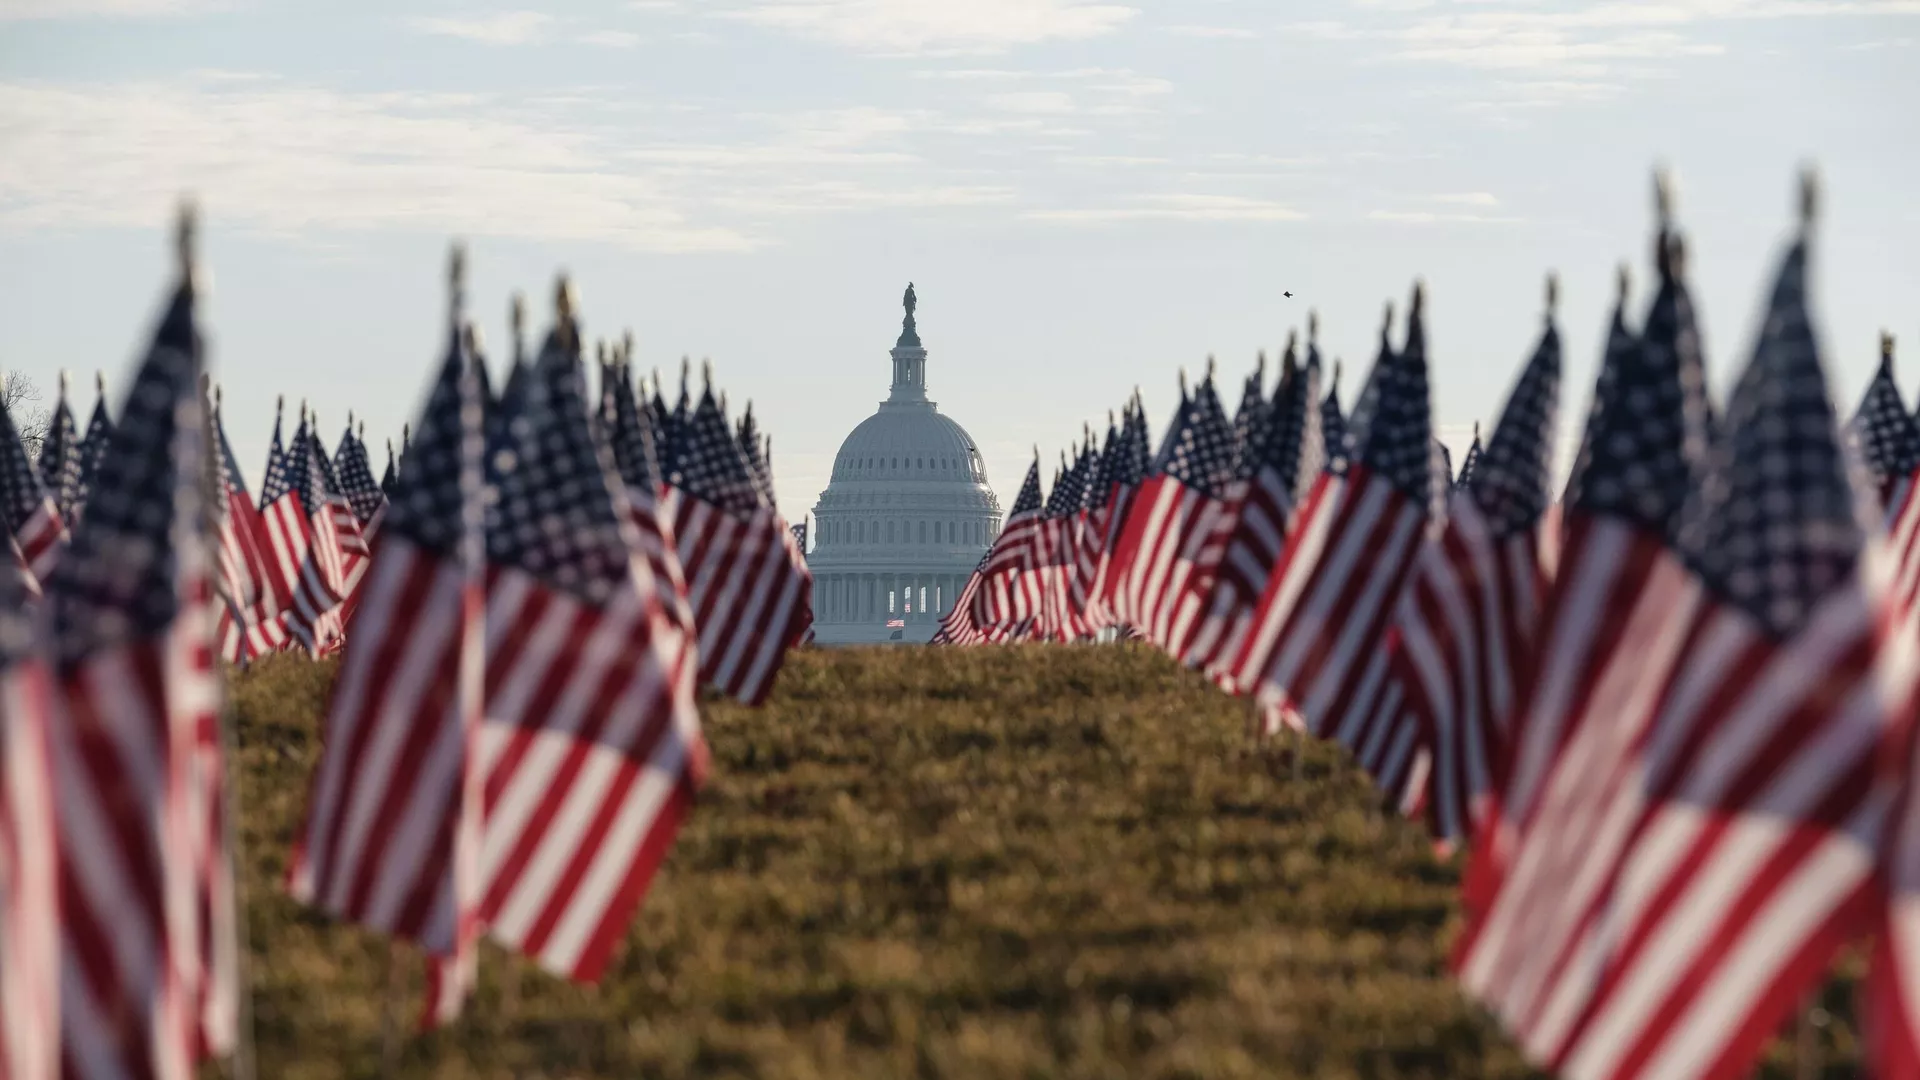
(1032,862)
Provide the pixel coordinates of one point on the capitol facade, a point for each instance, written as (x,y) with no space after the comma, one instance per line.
(905,518)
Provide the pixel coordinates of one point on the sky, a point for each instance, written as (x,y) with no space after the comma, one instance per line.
(1089,195)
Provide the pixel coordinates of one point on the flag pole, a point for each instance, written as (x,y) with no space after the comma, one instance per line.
(186,236)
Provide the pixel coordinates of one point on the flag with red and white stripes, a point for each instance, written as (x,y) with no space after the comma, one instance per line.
(350,531)
(591,748)
(957,626)
(146,878)
(1279,474)
(356,492)
(1125,466)
(1008,592)
(747,585)
(1724,839)
(636,456)
(1604,635)
(249,624)
(29,890)
(394,814)
(1463,638)
(1062,617)
(1087,537)
(1169,550)
(30,513)
(303,530)
(1315,644)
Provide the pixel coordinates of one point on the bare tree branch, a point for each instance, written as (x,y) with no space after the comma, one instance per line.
(22,400)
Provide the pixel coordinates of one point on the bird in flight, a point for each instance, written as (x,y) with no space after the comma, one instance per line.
(1287,294)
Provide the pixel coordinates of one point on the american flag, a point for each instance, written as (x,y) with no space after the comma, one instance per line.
(1284,469)
(1902,500)
(1088,535)
(31,516)
(275,481)
(394,813)
(591,747)
(1472,461)
(959,626)
(255,595)
(1333,422)
(1605,634)
(346,523)
(355,472)
(636,455)
(92,445)
(1170,548)
(1706,866)
(390,479)
(1462,640)
(895,624)
(29,897)
(758,450)
(148,969)
(1063,521)
(1885,434)
(1125,464)
(303,531)
(1251,419)
(750,593)
(1314,645)
(360,510)
(59,463)
(1443,479)
(1009,591)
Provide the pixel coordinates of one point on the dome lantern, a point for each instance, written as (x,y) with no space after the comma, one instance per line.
(909,358)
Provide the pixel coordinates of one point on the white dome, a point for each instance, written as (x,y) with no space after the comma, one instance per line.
(909,442)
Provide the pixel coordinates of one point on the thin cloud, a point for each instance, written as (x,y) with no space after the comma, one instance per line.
(611,39)
(1428,217)
(1579,41)
(918,26)
(1233,32)
(499,28)
(298,161)
(1042,102)
(22,10)
(289,160)
(1466,198)
(1178,207)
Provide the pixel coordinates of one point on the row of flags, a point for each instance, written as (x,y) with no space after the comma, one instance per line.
(524,603)
(1668,710)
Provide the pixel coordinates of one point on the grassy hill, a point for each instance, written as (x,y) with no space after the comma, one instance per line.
(1031,862)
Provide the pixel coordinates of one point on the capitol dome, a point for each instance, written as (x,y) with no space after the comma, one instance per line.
(900,444)
(905,517)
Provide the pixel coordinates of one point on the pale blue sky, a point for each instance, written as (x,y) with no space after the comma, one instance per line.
(1088,194)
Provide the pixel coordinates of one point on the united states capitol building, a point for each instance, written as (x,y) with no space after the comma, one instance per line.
(905,517)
